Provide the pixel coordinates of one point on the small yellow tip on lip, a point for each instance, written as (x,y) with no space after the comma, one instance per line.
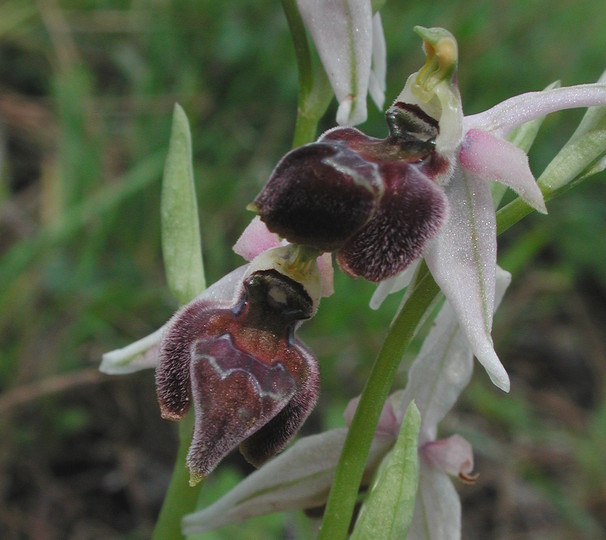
(252,207)
(195,478)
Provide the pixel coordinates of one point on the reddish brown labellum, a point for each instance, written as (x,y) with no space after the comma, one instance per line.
(251,381)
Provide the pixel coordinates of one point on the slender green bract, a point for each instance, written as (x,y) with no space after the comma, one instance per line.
(182,252)
(387,512)
(181,244)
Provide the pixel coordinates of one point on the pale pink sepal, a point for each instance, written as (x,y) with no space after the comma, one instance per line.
(255,239)
(504,117)
(392,285)
(493,158)
(462,260)
(454,456)
(141,354)
(442,369)
(437,513)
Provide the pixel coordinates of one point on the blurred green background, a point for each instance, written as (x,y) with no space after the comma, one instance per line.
(86,96)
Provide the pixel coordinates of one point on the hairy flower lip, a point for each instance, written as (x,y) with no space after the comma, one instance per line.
(237,359)
(290,206)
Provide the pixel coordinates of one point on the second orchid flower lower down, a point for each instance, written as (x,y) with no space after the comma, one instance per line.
(234,356)
(301,477)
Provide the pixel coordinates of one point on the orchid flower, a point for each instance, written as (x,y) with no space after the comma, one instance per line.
(424,190)
(462,256)
(301,477)
(234,354)
(252,383)
(351,45)
(255,240)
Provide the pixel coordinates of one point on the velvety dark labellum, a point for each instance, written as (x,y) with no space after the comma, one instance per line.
(234,393)
(373,201)
(252,382)
(319,195)
(411,212)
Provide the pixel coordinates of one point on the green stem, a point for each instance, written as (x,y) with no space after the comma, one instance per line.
(305,129)
(180,498)
(315,92)
(299,39)
(511,213)
(348,475)
(306,126)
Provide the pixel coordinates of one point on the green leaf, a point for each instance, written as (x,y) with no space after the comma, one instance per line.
(579,156)
(582,156)
(387,512)
(181,244)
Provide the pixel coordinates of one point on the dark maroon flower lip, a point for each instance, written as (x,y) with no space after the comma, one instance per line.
(252,382)
(320,194)
(372,201)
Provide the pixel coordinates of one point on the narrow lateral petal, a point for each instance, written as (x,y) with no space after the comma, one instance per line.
(139,355)
(392,285)
(494,159)
(255,239)
(342,33)
(437,514)
(299,478)
(505,116)
(327,274)
(462,260)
